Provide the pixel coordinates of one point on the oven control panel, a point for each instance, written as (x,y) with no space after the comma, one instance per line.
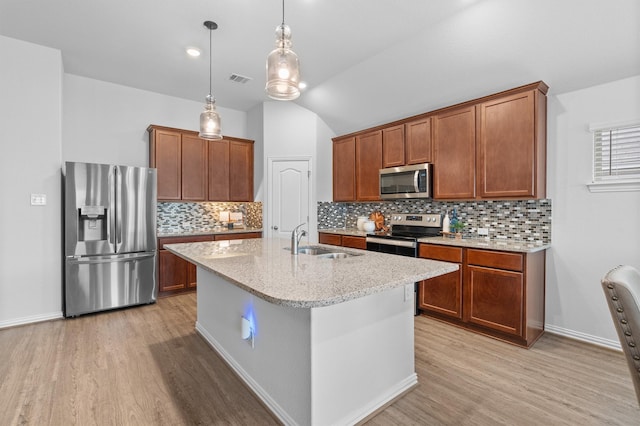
(417,219)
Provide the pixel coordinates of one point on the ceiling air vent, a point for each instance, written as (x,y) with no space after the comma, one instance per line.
(239,78)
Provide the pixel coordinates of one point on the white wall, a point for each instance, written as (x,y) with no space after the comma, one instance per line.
(30,129)
(324,155)
(106,122)
(291,131)
(591,232)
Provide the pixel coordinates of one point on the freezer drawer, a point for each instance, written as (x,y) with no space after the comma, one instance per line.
(97,283)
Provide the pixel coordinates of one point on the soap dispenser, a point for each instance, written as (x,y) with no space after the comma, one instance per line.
(446,224)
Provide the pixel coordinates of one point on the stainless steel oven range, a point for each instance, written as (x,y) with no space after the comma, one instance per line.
(402,239)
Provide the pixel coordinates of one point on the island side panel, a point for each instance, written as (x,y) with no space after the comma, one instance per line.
(278,367)
(362,355)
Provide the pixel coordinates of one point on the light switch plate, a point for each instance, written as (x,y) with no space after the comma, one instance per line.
(38,199)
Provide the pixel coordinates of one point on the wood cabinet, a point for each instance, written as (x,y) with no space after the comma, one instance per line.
(165,154)
(333,239)
(418,147)
(488,148)
(442,295)
(497,293)
(344,169)
(351,241)
(393,144)
(176,275)
(511,146)
(368,165)
(240,170)
(195,169)
(454,143)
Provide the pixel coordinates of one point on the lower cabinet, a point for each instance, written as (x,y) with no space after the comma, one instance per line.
(342,240)
(442,295)
(176,275)
(497,293)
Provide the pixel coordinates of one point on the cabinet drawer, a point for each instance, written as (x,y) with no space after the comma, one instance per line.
(188,239)
(354,242)
(238,236)
(494,259)
(444,253)
(333,239)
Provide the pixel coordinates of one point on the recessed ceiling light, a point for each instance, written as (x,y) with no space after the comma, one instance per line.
(193,51)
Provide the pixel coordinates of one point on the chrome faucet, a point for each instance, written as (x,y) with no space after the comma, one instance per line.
(295,238)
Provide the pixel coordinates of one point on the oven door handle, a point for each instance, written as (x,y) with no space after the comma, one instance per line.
(389,242)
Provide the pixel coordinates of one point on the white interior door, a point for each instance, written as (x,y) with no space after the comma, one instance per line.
(288,197)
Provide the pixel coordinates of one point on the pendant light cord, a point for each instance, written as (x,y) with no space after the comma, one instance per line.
(210,60)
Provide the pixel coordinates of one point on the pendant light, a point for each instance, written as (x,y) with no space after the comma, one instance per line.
(209,118)
(283,68)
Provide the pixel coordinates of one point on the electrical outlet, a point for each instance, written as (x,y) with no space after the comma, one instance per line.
(408,290)
(483,231)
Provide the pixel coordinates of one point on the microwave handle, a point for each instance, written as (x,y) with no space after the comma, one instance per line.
(416,186)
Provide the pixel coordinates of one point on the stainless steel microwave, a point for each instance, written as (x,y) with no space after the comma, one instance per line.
(406,182)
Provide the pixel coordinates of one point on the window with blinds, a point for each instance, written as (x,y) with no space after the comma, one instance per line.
(616,154)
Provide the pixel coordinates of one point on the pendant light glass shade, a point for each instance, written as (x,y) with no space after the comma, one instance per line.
(210,127)
(210,121)
(283,67)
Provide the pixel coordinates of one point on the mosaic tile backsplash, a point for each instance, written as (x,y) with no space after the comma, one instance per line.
(518,220)
(186,217)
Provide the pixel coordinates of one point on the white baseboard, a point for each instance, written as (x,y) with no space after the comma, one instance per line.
(29,320)
(264,396)
(572,334)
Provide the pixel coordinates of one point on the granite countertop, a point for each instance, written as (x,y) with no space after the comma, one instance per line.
(265,267)
(480,243)
(215,231)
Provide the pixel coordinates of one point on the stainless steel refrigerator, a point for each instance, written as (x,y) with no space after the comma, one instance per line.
(110,237)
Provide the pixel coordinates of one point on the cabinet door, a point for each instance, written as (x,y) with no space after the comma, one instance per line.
(192,276)
(454,154)
(354,242)
(333,239)
(240,171)
(167,158)
(393,146)
(506,163)
(493,298)
(239,236)
(442,294)
(173,272)
(194,168)
(344,169)
(418,141)
(218,155)
(368,165)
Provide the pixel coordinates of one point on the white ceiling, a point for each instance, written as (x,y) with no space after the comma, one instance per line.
(367,62)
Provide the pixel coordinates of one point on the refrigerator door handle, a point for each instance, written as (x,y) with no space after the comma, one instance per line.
(109,259)
(113,216)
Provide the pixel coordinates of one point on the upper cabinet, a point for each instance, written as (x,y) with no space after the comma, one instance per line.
(511,146)
(393,146)
(418,146)
(195,169)
(454,137)
(344,169)
(488,148)
(368,165)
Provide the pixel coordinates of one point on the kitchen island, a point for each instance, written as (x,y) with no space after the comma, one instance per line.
(329,341)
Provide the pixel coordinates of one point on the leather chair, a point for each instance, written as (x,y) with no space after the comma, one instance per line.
(621,286)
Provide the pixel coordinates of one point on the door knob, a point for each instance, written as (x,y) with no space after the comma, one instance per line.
(275,227)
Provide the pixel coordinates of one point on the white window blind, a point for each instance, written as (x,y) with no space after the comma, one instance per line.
(616,154)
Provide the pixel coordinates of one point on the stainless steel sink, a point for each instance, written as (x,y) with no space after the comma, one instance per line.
(324,252)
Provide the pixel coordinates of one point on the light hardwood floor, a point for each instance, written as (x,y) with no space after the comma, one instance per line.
(147,366)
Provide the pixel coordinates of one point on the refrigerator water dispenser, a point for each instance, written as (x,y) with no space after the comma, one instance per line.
(92,223)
